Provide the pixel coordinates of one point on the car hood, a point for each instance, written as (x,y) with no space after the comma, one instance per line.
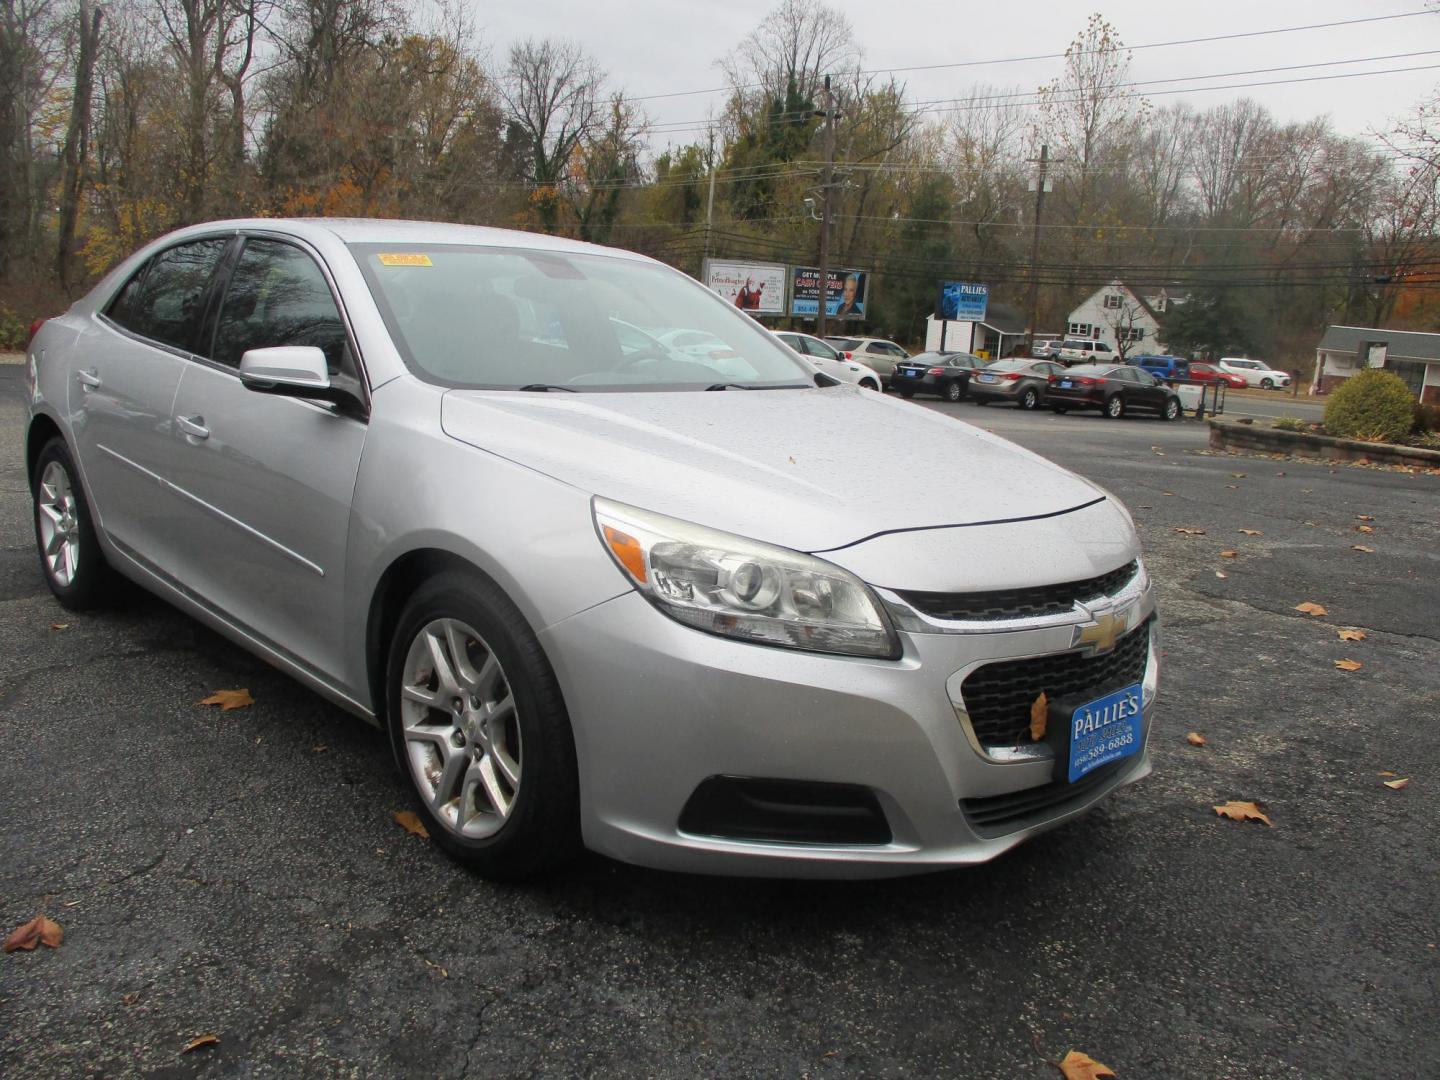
(808,469)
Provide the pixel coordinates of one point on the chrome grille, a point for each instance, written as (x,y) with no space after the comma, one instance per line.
(1021,603)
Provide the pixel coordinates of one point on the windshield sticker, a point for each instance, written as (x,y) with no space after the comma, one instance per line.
(405,260)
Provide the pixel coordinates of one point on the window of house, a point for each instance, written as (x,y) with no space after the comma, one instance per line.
(1114,301)
(1078,329)
(1132,333)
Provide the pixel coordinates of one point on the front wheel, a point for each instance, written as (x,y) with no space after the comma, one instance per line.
(1172,409)
(479,729)
(1030,399)
(953,391)
(869,384)
(1267,384)
(70,555)
(1115,407)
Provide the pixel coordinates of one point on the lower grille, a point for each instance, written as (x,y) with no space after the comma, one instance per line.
(997,815)
(998,696)
(1024,603)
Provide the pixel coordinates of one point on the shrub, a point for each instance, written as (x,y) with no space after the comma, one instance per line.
(1374,405)
(1427,419)
(1291,423)
(13,331)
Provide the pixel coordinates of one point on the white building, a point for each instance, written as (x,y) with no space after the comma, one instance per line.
(1116,313)
(1411,354)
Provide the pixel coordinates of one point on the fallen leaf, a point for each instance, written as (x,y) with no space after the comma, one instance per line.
(1361,547)
(1386,773)
(59,626)
(1229,554)
(411,823)
(1364,529)
(319,748)
(1233,487)
(1351,635)
(1221,574)
(1170,493)
(1244,811)
(1396,785)
(130,998)
(1144,506)
(229,699)
(199,1041)
(1191,532)
(1310,523)
(1078,1066)
(1349,665)
(1039,714)
(1252,532)
(1238,475)
(1312,609)
(1307,491)
(38,931)
(1194,738)
(1364,517)
(1280,473)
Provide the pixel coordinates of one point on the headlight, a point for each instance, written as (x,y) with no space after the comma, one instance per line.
(728,585)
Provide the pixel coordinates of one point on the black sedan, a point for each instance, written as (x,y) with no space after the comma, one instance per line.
(1114,389)
(1023,382)
(945,375)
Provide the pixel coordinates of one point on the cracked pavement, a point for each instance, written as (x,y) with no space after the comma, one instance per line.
(239,874)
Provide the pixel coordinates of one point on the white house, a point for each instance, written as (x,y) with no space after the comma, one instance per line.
(1411,354)
(1002,329)
(1116,313)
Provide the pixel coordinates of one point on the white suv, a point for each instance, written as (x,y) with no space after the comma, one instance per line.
(1255,373)
(1085,351)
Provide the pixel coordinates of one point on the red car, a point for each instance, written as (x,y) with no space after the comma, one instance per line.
(1211,373)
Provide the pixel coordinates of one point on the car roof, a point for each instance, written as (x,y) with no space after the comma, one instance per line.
(1089,369)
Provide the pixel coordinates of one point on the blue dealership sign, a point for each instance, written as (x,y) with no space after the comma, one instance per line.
(964,301)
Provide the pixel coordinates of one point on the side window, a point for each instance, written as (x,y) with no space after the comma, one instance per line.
(165,302)
(278,296)
(1144,378)
(820,349)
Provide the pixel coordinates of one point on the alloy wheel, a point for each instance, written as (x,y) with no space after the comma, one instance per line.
(461,728)
(1029,399)
(1115,407)
(59,524)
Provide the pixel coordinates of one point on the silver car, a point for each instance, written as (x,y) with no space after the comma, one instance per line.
(596,591)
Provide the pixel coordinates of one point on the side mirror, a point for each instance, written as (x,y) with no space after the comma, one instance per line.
(296,370)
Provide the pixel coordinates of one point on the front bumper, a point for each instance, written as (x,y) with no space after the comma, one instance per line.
(658,708)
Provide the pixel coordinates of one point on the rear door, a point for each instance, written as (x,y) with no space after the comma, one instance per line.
(268,478)
(122,385)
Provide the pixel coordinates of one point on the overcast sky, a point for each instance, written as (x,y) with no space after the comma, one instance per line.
(661,46)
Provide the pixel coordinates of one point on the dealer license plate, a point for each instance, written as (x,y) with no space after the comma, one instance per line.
(987,378)
(1105,730)
(1065,384)
(912,373)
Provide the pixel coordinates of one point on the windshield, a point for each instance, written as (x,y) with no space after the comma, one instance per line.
(505,319)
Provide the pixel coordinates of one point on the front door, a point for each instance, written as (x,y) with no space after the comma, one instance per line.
(270,478)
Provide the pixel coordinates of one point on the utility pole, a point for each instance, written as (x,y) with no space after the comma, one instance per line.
(1040,181)
(709,202)
(825,185)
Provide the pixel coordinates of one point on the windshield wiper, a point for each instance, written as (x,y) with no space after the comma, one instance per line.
(541,387)
(753,386)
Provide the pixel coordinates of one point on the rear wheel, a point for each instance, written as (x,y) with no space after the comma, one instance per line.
(1115,407)
(1030,398)
(869,384)
(1172,409)
(953,391)
(1267,384)
(70,555)
(479,729)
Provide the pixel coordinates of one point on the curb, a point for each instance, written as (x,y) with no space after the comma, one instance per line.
(1228,435)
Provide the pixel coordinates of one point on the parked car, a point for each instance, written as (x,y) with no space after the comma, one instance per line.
(411,465)
(1162,367)
(1085,351)
(828,359)
(1046,350)
(1256,373)
(1113,389)
(1020,381)
(878,354)
(1200,372)
(946,375)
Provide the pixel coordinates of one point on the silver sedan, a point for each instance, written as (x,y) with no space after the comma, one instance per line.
(597,590)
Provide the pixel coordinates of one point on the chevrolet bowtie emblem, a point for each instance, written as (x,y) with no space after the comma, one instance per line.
(1102,634)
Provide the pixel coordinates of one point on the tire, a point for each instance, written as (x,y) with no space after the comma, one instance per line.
(1030,399)
(1114,406)
(953,391)
(1267,384)
(1059,410)
(494,781)
(70,555)
(1172,409)
(869,384)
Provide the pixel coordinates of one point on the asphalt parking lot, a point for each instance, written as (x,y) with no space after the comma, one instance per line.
(239,875)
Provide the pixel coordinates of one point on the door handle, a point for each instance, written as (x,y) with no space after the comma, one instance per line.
(88,379)
(194,426)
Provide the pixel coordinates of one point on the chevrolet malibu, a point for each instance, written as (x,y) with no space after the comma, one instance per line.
(596,592)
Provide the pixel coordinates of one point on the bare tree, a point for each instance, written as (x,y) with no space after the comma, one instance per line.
(1124,321)
(798,43)
(76,150)
(551,91)
(31,60)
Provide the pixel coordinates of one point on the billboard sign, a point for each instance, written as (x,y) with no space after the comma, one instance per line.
(962,301)
(845,298)
(757,288)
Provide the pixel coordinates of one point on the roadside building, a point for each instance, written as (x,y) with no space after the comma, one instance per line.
(997,335)
(1411,354)
(1118,314)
